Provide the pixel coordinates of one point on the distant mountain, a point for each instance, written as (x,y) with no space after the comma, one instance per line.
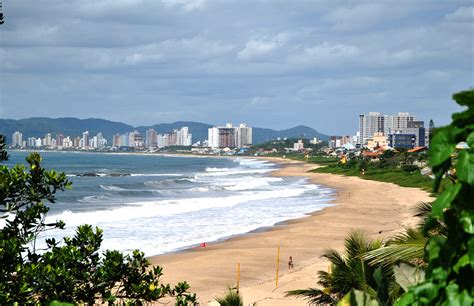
(261,135)
(38,127)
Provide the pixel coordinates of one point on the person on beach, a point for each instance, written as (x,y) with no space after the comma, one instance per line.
(290,263)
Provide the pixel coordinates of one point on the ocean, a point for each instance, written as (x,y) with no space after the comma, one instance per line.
(161,204)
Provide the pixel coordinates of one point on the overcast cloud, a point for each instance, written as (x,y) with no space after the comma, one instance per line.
(269,63)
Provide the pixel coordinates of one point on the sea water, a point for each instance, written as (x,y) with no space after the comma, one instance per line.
(160,204)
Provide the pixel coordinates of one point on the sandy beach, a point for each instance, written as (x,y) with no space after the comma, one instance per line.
(376,208)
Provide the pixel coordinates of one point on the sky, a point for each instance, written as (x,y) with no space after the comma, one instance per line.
(268,63)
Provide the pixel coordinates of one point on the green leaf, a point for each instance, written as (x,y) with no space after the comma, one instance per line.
(466,220)
(470,140)
(462,262)
(407,275)
(465,167)
(444,200)
(442,146)
(356,298)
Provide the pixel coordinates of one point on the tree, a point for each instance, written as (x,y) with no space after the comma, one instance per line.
(73,271)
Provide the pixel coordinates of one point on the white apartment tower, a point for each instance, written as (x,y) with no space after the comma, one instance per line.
(85,139)
(17,139)
(183,138)
(243,136)
(370,124)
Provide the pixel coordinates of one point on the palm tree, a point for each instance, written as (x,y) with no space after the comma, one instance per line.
(346,272)
(409,246)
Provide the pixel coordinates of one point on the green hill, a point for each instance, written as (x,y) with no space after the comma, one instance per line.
(38,127)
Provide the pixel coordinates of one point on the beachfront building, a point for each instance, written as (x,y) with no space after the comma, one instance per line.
(17,139)
(379,140)
(339,141)
(85,139)
(47,141)
(387,124)
(370,124)
(183,137)
(151,138)
(243,135)
(298,146)
(229,136)
(399,140)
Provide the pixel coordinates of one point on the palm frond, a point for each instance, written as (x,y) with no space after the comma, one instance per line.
(357,243)
(422,209)
(407,246)
(313,296)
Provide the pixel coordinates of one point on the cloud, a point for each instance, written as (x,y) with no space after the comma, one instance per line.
(462,14)
(188,5)
(269,63)
(257,48)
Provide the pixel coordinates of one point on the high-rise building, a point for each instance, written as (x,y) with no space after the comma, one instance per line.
(398,122)
(230,136)
(243,136)
(38,142)
(85,140)
(47,140)
(387,124)
(151,138)
(67,143)
(31,142)
(17,139)
(370,124)
(183,137)
(116,140)
(213,137)
(162,140)
(59,140)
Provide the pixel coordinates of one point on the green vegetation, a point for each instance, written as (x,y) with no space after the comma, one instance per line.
(73,270)
(432,264)
(231,298)
(280,146)
(389,174)
(400,168)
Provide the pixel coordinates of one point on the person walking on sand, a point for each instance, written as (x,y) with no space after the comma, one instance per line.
(290,263)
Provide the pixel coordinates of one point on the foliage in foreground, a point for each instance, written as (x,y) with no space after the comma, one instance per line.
(73,271)
(450,270)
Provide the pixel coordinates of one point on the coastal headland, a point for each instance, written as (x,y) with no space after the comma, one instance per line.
(378,209)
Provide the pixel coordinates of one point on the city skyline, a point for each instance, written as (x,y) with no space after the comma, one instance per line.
(314,63)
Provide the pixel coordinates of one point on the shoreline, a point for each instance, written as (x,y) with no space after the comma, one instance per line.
(357,205)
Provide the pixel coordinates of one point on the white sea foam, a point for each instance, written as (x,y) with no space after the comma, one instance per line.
(112,188)
(175,211)
(139,210)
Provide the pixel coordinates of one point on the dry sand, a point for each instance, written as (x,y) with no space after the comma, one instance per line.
(378,209)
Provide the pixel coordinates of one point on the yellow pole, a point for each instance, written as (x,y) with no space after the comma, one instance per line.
(238,277)
(277,265)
